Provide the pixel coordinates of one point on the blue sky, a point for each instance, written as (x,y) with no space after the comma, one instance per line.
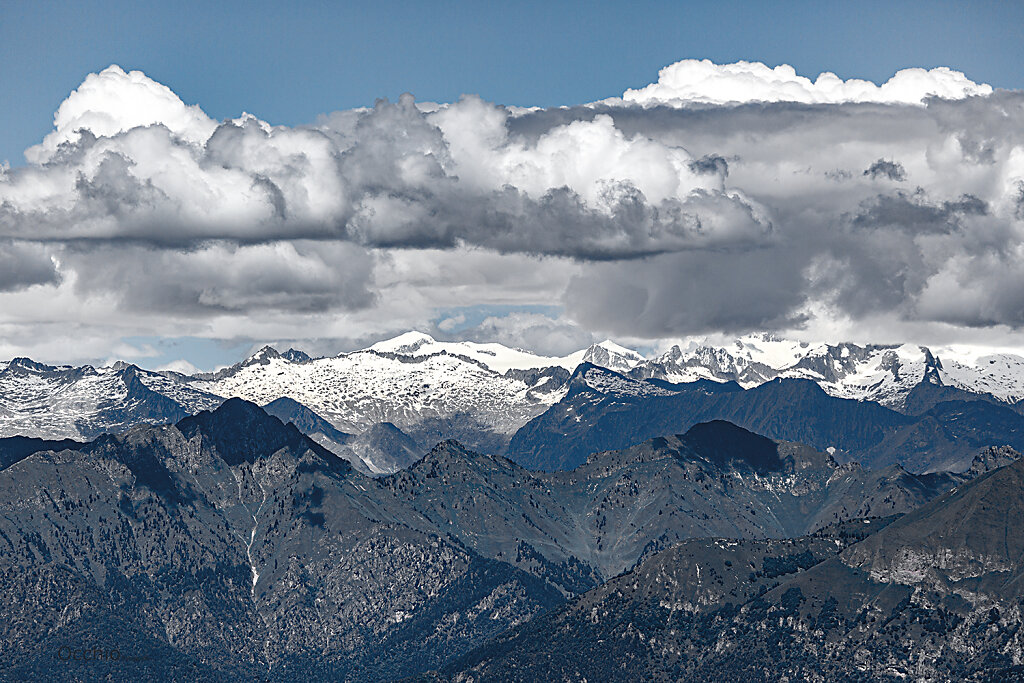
(288,62)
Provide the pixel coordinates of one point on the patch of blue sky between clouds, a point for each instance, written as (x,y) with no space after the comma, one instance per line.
(183,354)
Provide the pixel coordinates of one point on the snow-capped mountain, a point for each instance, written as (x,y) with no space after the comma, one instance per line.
(399,382)
(882,373)
(56,402)
(501,358)
(610,355)
(427,388)
(384,398)
(481,393)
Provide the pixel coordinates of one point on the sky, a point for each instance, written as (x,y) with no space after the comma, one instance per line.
(650,197)
(289,62)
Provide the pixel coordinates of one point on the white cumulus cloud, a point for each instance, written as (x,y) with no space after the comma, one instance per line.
(700,80)
(114,101)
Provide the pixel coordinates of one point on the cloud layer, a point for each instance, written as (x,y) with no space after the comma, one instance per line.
(722,198)
(693,80)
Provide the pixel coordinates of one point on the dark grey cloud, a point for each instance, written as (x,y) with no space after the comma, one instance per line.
(24,265)
(914,212)
(698,293)
(884,168)
(221,278)
(710,164)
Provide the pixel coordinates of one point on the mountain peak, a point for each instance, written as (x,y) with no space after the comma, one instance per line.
(235,409)
(992,458)
(454,459)
(932,367)
(23,363)
(723,442)
(609,345)
(268,353)
(296,356)
(287,409)
(589,376)
(579,378)
(448,447)
(408,342)
(263,356)
(240,431)
(610,355)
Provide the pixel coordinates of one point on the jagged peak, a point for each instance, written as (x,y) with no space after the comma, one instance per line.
(611,355)
(609,345)
(578,378)
(590,377)
(25,363)
(932,367)
(264,355)
(992,458)
(586,366)
(268,353)
(296,356)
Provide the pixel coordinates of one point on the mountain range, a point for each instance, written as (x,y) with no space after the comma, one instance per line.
(932,595)
(604,410)
(231,546)
(384,406)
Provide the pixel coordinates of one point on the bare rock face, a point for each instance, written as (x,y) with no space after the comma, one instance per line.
(231,546)
(933,595)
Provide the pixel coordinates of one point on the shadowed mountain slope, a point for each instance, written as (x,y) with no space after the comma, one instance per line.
(604,410)
(232,546)
(934,595)
(231,543)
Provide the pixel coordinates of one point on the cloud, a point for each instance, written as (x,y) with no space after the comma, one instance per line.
(298,277)
(181,365)
(738,197)
(451,323)
(977,290)
(24,265)
(883,168)
(128,161)
(693,80)
(691,293)
(537,332)
(114,101)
